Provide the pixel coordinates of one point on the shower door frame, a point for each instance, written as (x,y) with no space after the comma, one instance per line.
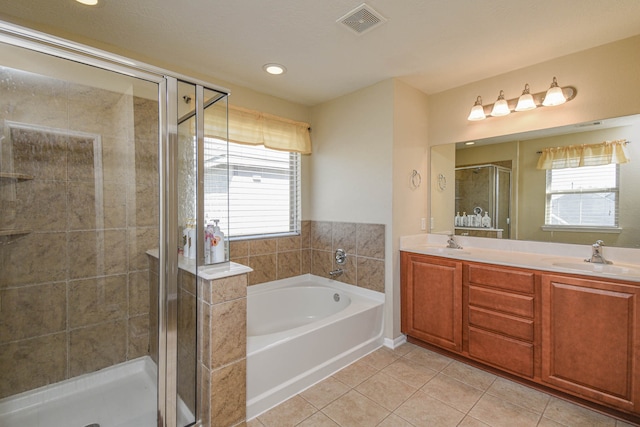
(22,37)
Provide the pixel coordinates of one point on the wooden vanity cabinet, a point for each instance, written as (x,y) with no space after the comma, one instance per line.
(576,334)
(431,295)
(499,324)
(591,339)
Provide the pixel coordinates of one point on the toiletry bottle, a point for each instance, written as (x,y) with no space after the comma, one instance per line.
(208,238)
(217,243)
(456,220)
(478,221)
(185,242)
(192,240)
(465,219)
(486,220)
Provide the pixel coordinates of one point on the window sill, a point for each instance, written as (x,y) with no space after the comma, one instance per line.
(264,236)
(582,229)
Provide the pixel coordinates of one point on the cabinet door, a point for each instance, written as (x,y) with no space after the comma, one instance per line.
(590,339)
(432,300)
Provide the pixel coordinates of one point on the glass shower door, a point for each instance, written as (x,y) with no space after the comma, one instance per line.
(79,210)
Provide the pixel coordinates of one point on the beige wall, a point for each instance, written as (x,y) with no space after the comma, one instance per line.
(606,78)
(409,204)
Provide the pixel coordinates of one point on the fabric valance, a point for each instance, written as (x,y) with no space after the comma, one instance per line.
(257,128)
(573,156)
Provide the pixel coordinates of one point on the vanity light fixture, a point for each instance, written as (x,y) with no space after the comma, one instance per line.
(525,102)
(501,107)
(275,69)
(556,95)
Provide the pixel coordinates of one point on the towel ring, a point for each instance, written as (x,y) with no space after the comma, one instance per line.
(416,179)
(442,182)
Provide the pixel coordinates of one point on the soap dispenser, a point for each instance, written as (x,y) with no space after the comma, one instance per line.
(486,220)
(217,243)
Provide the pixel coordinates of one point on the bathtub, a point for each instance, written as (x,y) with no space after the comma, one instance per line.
(303,329)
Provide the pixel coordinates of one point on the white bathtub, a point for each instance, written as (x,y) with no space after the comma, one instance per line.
(298,334)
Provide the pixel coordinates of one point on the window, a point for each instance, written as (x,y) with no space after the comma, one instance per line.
(264,188)
(583,197)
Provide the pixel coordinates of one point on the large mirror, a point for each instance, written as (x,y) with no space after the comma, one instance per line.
(498,178)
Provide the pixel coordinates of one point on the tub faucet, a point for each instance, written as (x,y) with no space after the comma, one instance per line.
(597,256)
(452,243)
(335,273)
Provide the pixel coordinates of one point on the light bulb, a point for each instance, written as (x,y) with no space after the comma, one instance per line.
(501,107)
(526,102)
(477,111)
(554,95)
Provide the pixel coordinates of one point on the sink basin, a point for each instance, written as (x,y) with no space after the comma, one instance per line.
(617,270)
(438,250)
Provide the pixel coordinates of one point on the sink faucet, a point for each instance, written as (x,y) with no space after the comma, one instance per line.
(596,253)
(452,243)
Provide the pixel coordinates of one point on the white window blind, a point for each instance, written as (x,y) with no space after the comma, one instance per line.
(583,197)
(264,188)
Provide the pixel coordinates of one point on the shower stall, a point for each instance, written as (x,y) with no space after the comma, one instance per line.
(102,162)
(484,189)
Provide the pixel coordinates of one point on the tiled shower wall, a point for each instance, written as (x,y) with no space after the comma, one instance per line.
(314,252)
(74,289)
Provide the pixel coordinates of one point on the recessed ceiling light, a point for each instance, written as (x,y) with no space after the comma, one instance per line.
(274,69)
(469,143)
(88,2)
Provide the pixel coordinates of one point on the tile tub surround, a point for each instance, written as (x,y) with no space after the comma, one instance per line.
(314,252)
(74,291)
(412,387)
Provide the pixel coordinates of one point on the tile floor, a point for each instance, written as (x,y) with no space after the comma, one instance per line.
(411,386)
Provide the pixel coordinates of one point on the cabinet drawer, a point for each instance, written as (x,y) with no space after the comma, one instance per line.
(504,352)
(520,305)
(513,280)
(501,323)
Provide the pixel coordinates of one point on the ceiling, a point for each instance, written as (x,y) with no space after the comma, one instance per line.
(433,45)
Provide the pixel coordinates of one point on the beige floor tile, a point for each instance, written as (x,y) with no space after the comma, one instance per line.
(527,397)
(355,373)
(499,413)
(318,420)
(546,422)
(380,358)
(289,413)
(472,422)
(325,392)
(410,372)
(254,423)
(355,410)
(570,414)
(454,393)
(423,410)
(469,375)
(386,391)
(404,349)
(428,359)
(394,421)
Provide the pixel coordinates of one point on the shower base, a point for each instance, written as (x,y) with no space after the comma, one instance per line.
(119,396)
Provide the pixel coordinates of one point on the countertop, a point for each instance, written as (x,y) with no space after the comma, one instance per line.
(560,258)
(208,272)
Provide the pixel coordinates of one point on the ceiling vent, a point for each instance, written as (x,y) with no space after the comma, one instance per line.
(362,19)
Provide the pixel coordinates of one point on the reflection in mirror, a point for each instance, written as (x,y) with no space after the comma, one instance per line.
(523,209)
